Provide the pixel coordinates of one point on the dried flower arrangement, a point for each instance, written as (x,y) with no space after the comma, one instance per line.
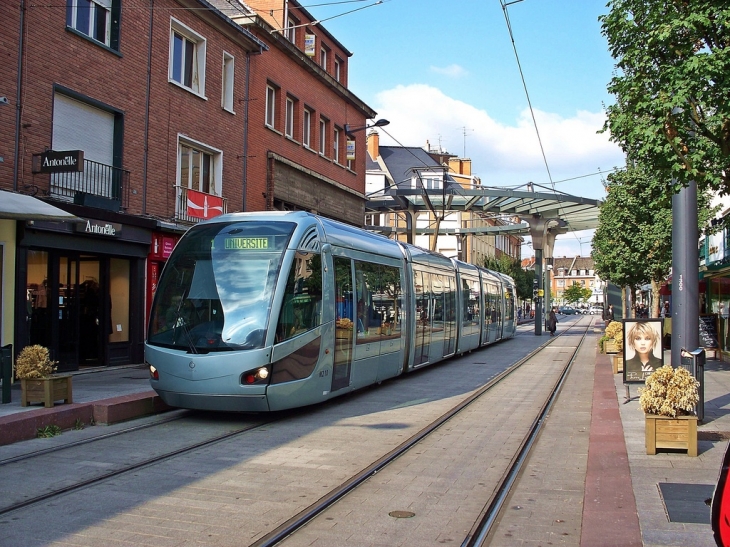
(669,392)
(34,362)
(346,324)
(615,330)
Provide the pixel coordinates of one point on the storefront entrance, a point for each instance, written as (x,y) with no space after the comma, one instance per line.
(70,305)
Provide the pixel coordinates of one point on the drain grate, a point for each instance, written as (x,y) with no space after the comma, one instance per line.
(686,502)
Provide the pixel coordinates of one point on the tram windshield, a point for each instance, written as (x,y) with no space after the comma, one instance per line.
(216,290)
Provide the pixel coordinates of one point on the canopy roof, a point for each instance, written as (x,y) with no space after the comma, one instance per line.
(578,213)
(21,207)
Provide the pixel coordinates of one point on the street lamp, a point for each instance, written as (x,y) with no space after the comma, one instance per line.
(380,123)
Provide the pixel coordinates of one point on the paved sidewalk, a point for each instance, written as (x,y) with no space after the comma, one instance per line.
(669,488)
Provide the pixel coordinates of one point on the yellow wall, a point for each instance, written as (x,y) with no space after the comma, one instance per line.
(7,239)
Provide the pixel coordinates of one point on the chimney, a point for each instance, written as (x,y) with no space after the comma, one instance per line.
(373,144)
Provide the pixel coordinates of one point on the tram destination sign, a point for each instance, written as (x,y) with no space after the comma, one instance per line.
(246,243)
(59,161)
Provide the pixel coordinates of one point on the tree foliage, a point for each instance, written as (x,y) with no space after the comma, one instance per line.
(576,293)
(513,268)
(633,242)
(632,245)
(672,88)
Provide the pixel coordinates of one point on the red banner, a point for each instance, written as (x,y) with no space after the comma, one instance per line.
(201,205)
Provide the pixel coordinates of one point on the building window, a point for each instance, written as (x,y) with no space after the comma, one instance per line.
(270,106)
(336,145)
(338,68)
(199,167)
(307,128)
(322,136)
(291,29)
(187,57)
(97,19)
(323,58)
(227,98)
(289,126)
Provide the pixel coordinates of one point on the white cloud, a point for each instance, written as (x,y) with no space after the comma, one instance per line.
(502,154)
(452,71)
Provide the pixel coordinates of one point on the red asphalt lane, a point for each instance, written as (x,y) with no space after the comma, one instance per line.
(609,507)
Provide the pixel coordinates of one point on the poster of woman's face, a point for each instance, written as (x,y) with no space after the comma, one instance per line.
(642,348)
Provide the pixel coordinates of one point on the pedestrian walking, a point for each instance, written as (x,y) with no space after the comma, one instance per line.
(552,322)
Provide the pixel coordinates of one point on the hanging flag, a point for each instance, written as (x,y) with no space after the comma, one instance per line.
(201,205)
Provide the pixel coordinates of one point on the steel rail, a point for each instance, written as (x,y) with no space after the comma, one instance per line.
(309,513)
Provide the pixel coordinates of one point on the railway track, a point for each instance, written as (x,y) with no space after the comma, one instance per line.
(236,456)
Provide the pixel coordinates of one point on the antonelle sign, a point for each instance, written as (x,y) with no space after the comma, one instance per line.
(99,228)
(58,161)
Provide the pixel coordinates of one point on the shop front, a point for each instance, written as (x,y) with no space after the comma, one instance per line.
(83,289)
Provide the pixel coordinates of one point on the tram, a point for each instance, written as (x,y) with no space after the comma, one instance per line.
(266,311)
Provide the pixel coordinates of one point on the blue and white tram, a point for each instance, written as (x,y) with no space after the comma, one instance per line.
(275,310)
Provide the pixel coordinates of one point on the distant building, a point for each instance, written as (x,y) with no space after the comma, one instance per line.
(414,168)
(571,270)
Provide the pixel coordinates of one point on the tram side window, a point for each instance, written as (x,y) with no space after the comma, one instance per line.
(301,309)
(377,294)
(509,305)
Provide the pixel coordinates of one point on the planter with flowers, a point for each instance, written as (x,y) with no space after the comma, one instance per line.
(38,384)
(668,402)
(343,328)
(613,341)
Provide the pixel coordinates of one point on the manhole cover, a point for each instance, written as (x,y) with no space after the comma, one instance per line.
(402,514)
(686,502)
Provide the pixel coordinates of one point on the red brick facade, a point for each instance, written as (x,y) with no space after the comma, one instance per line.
(58,59)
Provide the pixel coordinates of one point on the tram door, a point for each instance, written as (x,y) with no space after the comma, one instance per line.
(345,323)
(79,311)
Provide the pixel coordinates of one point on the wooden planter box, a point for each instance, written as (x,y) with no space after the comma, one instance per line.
(343,333)
(609,346)
(46,390)
(618,364)
(666,432)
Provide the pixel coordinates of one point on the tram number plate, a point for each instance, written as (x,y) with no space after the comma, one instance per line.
(323,373)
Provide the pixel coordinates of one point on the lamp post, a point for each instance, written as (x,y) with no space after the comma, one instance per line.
(685,261)
(379,123)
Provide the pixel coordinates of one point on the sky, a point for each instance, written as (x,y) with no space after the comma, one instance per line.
(447,73)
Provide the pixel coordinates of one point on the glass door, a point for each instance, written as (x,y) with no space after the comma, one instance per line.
(344,325)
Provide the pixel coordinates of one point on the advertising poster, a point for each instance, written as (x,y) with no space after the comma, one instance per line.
(642,348)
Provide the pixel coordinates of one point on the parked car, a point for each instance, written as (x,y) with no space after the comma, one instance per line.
(566,310)
(595,310)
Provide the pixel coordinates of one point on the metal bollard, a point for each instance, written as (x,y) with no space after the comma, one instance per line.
(6,364)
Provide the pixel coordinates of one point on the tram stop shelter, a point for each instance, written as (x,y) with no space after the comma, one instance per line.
(428,194)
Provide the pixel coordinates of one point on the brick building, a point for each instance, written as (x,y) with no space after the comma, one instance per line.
(176,113)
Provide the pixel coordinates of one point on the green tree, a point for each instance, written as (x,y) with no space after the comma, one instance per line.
(513,268)
(576,293)
(672,88)
(633,242)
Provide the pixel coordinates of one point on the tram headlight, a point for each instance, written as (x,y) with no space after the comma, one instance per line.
(256,376)
(153,373)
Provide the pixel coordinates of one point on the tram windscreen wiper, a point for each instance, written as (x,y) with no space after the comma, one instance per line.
(180,322)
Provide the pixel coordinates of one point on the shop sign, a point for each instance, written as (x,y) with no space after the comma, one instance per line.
(59,161)
(99,228)
(350,150)
(162,246)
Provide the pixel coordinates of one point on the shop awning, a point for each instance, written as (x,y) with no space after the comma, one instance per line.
(21,207)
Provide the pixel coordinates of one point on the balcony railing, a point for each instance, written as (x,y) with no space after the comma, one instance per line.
(98,185)
(193,206)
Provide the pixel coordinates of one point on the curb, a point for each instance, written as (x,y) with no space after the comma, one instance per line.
(24,426)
